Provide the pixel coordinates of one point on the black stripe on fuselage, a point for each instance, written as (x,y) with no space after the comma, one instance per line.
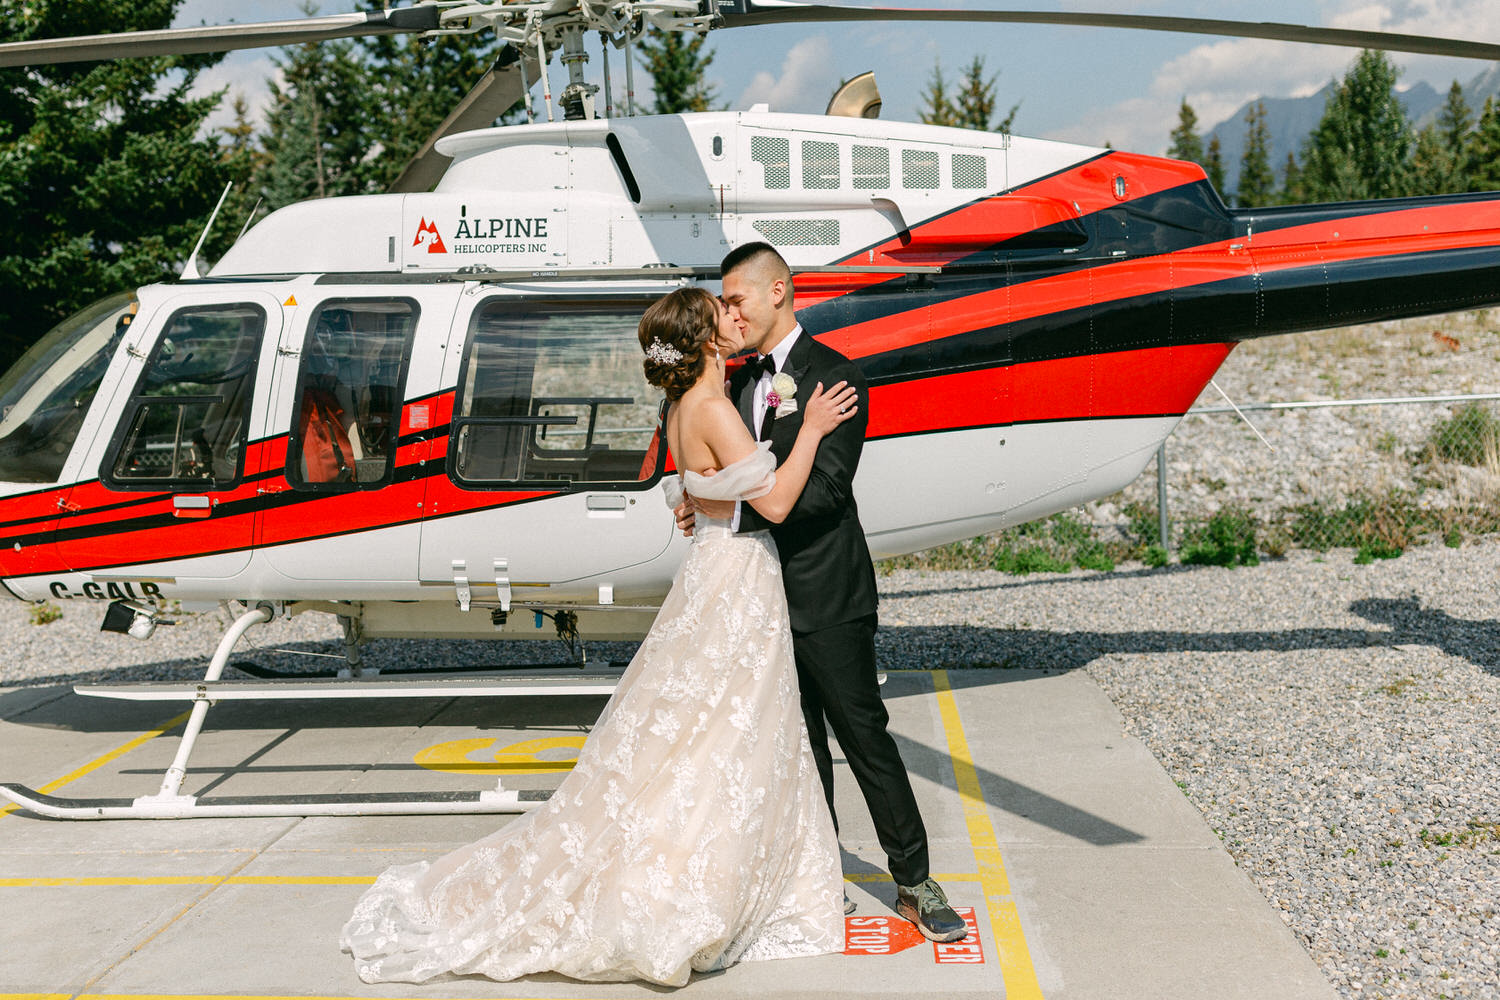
(1240,308)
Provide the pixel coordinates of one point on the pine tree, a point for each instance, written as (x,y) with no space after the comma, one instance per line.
(1213,164)
(1186,143)
(318,138)
(937,108)
(975,107)
(678,67)
(1482,152)
(411,84)
(1362,146)
(1455,121)
(1291,182)
(107,174)
(1257,182)
(1433,169)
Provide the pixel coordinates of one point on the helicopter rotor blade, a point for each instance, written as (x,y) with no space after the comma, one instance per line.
(742,13)
(500,88)
(218,38)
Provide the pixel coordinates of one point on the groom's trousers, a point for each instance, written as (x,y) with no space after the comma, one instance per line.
(836,671)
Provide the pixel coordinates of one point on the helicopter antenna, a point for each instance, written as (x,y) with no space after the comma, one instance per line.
(190,269)
(249,218)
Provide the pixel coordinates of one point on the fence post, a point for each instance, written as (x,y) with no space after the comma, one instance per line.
(1161,497)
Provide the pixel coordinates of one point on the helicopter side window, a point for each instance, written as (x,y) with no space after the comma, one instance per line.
(349,391)
(871,167)
(969,171)
(919,169)
(820,165)
(553,395)
(187,420)
(775,154)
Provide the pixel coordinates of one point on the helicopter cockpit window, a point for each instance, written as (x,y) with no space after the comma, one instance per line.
(553,395)
(45,395)
(775,154)
(349,392)
(187,421)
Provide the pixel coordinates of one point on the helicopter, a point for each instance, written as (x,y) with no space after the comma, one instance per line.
(424,411)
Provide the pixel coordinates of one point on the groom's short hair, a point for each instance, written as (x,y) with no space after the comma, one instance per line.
(760,255)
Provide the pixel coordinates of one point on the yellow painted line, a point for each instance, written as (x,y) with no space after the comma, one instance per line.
(1005,919)
(76,881)
(149,880)
(99,762)
(215,996)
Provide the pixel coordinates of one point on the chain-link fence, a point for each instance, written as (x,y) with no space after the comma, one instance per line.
(1372,475)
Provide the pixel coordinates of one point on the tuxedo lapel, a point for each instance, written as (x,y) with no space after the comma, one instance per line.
(743,389)
(798,363)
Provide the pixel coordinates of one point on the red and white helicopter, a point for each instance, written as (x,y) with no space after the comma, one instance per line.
(424,412)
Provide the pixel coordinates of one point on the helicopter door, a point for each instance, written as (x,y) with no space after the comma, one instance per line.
(339,504)
(552,456)
(173,484)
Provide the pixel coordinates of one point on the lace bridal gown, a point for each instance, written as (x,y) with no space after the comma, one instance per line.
(691,834)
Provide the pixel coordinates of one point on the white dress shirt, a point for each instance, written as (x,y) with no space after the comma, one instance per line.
(779,354)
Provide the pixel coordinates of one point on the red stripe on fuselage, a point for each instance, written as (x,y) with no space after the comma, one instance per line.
(1150,382)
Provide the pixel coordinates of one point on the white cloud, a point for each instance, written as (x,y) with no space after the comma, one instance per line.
(1219,77)
(807,80)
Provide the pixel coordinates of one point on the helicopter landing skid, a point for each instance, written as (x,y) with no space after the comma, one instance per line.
(191,807)
(169,803)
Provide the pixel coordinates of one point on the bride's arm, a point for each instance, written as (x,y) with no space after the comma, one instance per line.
(823,411)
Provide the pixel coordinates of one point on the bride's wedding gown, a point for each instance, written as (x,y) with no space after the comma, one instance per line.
(691,834)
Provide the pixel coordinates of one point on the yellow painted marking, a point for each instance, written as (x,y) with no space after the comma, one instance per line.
(1005,919)
(291,300)
(97,763)
(207,996)
(148,880)
(525,757)
(80,881)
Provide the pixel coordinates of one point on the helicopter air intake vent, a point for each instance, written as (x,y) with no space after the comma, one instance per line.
(799,232)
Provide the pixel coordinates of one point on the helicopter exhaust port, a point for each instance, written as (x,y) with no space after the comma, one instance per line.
(130,618)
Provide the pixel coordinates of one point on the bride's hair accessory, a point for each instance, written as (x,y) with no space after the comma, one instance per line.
(662,352)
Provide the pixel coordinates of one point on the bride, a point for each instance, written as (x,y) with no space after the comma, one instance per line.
(693,832)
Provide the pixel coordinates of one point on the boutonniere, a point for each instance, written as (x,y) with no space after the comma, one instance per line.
(782,397)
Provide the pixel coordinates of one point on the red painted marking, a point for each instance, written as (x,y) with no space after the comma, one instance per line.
(969,951)
(886,935)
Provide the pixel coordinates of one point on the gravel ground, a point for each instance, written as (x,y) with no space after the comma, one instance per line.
(1334,723)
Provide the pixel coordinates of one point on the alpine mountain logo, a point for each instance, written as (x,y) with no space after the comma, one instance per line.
(427,233)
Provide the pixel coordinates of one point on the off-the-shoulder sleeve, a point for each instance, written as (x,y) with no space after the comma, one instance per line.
(671,487)
(752,476)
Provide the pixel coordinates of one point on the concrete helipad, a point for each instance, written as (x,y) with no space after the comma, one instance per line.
(1087,872)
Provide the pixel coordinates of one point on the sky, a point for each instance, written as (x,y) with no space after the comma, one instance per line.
(1086,85)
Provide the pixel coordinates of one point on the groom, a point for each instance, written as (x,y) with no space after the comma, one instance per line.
(830,581)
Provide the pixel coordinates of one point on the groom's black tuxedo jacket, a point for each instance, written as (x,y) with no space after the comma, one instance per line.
(825,561)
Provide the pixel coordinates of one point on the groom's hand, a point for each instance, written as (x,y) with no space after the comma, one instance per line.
(683,512)
(719,510)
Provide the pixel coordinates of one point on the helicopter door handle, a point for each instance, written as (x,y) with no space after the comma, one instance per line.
(189,506)
(609,505)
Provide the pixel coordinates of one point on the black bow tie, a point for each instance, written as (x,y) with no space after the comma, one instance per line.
(763,365)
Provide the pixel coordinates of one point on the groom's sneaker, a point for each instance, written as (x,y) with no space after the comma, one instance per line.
(927,907)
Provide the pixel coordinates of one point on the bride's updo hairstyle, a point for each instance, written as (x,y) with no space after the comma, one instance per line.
(675,333)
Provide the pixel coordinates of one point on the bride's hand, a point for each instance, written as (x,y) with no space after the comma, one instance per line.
(824,411)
